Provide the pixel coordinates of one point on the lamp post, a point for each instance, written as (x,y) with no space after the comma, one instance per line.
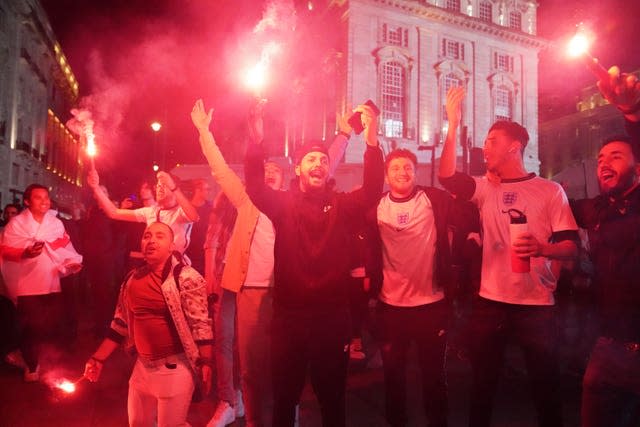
(155,127)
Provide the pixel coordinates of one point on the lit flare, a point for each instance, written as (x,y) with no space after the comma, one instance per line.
(578,47)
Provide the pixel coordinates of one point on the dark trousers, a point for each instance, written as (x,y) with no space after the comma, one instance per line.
(317,343)
(9,337)
(425,325)
(611,385)
(358,304)
(39,320)
(535,330)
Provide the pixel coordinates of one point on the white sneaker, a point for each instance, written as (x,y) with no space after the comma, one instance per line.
(239,405)
(223,416)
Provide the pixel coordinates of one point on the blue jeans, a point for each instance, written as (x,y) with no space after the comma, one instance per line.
(611,385)
(534,328)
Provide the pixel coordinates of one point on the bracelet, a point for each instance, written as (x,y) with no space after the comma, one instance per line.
(345,134)
(101,361)
(631,110)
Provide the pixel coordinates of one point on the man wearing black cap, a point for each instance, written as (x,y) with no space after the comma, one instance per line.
(311,325)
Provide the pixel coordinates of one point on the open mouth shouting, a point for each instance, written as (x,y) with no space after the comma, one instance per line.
(607,176)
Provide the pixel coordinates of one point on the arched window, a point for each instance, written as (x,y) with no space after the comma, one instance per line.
(393,81)
(503,104)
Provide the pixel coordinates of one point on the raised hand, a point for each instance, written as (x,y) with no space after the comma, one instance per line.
(343,122)
(453,105)
(200,117)
(369,122)
(93,179)
(256,121)
(621,90)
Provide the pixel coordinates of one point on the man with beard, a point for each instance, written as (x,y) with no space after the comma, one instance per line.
(515,301)
(173,208)
(611,384)
(162,317)
(313,225)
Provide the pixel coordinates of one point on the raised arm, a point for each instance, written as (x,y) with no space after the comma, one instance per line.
(457,183)
(340,142)
(373,175)
(623,91)
(224,176)
(455,96)
(266,199)
(189,210)
(93,181)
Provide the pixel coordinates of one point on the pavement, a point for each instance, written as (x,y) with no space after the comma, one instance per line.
(104,404)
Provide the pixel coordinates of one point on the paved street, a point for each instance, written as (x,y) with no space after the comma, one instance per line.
(104,404)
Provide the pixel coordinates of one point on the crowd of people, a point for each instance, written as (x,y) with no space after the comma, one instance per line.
(266,286)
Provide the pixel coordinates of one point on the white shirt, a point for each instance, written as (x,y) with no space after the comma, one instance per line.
(174,218)
(408,233)
(39,275)
(260,269)
(545,204)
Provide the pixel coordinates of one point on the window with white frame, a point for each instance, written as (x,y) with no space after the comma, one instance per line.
(503,62)
(485,11)
(452,5)
(395,36)
(452,49)
(393,97)
(515,20)
(503,104)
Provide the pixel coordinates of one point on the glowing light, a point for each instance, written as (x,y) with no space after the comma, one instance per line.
(156,168)
(578,45)
(66,386)
(310,5)
(579,48)
(91,145)
(256,77)
(155,126)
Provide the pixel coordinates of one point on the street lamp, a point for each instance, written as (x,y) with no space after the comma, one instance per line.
(155,127)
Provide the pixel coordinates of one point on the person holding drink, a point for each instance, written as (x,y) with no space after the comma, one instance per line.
(515,301)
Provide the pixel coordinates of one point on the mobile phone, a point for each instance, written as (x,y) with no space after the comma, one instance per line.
(355,121)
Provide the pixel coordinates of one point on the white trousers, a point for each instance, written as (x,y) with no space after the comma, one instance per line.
(160,390)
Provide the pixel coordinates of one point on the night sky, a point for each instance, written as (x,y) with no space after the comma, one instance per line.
(139,61)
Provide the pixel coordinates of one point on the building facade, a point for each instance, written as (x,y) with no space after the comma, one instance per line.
(405,55)
(37,91)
